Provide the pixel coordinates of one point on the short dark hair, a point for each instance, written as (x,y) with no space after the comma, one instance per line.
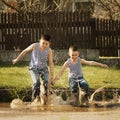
(73,48)
(46,37)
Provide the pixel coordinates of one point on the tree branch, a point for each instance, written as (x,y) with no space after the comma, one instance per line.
(10,6)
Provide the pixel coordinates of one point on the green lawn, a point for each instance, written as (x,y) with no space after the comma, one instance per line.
(17,76)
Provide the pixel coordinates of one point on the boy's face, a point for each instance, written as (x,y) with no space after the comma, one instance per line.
(73,54)
(44,43)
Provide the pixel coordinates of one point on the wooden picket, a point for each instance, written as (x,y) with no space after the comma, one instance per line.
(17,31)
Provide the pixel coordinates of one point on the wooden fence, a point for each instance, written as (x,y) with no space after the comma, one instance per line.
(17,31)
(108,37)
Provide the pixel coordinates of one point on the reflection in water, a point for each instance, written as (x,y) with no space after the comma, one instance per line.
(54,108)
(59,112)
(56,104)
(58,108)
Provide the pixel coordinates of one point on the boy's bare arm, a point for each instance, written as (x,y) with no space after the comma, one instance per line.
(51,64)
(23,53)
(60,73)
(93,63)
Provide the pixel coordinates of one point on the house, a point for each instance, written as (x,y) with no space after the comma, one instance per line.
(78,5)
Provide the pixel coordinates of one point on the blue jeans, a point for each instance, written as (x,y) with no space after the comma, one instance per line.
(73,84)
(36,73)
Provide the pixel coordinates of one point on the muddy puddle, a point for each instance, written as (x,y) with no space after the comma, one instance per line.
(55,108)
(59,109)
(58,112)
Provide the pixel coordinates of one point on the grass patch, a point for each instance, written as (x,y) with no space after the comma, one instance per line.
(14,76)
(18,77)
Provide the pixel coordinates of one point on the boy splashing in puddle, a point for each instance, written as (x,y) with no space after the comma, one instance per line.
(41,52)
(74,64)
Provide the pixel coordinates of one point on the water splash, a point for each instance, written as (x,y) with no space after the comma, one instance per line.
(53,100)
(17,103)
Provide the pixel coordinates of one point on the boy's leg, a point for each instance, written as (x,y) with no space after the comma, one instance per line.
(84,93)
(74,89)
(36,84)
(73,85)
(44,85)
(84,85)
(45,75)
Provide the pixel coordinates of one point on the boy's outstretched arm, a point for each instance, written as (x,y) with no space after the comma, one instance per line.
(93,63)
(24,52)
(60,73)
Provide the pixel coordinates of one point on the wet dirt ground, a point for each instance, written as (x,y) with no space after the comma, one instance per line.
(59,112)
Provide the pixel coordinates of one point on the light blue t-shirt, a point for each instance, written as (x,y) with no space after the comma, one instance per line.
(39,58)
(75,70)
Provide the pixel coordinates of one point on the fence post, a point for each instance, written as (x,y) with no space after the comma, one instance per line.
(93,32)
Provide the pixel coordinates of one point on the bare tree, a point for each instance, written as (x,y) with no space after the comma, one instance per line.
(37,5)
(109,9)
(4,2)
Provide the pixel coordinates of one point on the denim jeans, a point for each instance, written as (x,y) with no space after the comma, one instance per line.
(73,84)
(37,73)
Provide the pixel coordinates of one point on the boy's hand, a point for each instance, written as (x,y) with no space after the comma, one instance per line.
(14,61)
(105,66)
(52,82)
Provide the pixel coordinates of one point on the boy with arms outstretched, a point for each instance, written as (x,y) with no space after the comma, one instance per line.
(41,53)
(74,64)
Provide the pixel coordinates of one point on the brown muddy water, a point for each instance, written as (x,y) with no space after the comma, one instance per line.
(59,112)
(58,109)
